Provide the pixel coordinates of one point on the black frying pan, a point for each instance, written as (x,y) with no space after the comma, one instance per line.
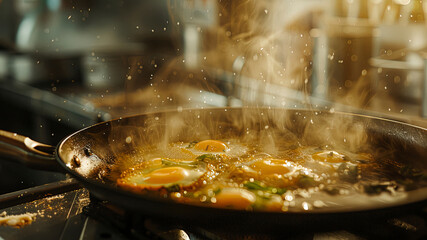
(93,157)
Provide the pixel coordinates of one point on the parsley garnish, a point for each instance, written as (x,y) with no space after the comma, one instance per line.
(208,156)
(257,185)
(192,144)
(166,162)
(173,188)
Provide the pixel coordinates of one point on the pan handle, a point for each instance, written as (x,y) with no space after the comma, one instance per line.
(33,154)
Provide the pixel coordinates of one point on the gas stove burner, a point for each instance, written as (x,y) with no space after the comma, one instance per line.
(75,214)
(136,226)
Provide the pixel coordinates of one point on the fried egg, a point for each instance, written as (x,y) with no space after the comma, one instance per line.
(329,156)
(326,162)
(271,166)
(195,149)
(271,171)
(273,203)
(245,176)
(267,166)
(163,173)
(235,198)
(211,146)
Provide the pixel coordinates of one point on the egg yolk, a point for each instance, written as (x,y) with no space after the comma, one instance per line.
(166,175)
(235,198)
(211,146)
(271,166)
(328,156)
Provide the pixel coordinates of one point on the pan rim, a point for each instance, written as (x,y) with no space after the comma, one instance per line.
(90,183)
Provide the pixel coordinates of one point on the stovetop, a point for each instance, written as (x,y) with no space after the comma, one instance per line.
(64,210)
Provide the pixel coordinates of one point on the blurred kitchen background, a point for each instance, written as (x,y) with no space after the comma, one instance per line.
(68,64)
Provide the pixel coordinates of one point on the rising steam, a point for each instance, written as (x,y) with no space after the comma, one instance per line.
(254,45)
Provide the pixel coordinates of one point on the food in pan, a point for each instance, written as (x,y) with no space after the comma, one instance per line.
(229,174)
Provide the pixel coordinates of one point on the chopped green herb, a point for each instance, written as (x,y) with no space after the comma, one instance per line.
(257,185)
(173,188)
(217,191)
(166,162)
(279,191)
(208,156)
(192,144)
